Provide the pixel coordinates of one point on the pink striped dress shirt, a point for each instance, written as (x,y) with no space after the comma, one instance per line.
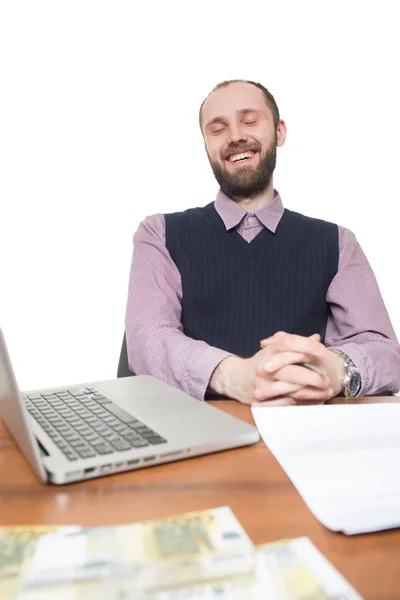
(359,324)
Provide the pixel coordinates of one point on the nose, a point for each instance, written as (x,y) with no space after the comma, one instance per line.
(237,135)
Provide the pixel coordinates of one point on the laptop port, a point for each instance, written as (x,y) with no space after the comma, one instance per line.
(133,462)
(149,458)
(106,468)
(168,454)
(89,470)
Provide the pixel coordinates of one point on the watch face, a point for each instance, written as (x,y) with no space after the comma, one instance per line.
(355,384)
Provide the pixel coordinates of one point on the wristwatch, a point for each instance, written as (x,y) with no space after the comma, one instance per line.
(352,379)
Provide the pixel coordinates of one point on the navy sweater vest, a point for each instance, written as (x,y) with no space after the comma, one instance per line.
(237,293)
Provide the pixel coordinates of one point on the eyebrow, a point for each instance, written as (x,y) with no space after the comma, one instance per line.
(221,119)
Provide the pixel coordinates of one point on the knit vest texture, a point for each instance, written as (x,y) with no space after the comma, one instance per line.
(237,293)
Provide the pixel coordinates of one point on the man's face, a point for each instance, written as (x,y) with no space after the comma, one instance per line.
(241,139)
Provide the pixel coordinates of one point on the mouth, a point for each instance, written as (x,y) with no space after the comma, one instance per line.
(241,158)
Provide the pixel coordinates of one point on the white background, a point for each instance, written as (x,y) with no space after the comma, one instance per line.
(98,128)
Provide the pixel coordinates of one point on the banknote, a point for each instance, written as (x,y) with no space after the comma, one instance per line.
(16,543)
(292,579)
(283,570)
(148,555)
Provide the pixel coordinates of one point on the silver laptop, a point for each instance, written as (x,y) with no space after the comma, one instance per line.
(78,432)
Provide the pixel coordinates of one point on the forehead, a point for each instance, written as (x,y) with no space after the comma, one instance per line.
(227,101)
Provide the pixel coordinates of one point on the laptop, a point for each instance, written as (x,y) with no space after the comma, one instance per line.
(78,432)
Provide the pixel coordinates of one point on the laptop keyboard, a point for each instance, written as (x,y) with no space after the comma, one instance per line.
(83,423)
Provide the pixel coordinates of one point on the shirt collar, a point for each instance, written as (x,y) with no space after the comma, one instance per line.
(232,214)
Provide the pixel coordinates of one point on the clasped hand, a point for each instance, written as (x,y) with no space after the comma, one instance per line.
(280,377)
(275,375)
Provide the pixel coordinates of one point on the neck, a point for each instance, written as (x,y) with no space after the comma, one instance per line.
(254,203)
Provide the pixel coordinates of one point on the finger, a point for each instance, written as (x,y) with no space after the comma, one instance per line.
(283,359)
(278,335)
(268,341)
(297,343)
(312,394)
(301,376)
(265,390)
(286,401)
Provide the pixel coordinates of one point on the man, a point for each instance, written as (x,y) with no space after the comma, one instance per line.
(242,298)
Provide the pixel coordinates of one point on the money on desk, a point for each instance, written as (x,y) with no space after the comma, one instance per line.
(195,556)
(192,547)
(15,544)
(284,570)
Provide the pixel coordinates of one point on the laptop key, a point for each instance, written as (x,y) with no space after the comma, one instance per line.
(92,420)
(139,443)
(34,397)
(119,427)
(94,439)
(86,453)
(111,421)
(121,445)
(76,443)
(150,434)
(77,392)
(97,411)
(143,430)
(123,430)
(71,455)
(135,423)
(101,412)
(85,430)
(132,436)
(113,437)
(103,401)
(120,413)
(157,439)
(103,448)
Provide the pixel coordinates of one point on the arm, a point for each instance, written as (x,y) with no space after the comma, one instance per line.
(359,324)
(156,343)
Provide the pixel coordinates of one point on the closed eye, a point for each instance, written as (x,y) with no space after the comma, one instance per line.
(217,130)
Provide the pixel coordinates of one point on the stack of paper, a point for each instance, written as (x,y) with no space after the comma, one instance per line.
(343,459)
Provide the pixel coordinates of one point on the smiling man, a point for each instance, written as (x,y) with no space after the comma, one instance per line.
(245,299)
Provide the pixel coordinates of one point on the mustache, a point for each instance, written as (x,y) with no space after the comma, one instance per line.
(239,148)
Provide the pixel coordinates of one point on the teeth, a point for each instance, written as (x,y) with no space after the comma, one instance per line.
(240,156)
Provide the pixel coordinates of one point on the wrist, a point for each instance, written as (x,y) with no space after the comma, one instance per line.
(336,373)
(224,377)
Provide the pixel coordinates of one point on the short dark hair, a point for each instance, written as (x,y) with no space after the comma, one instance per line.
(269,99)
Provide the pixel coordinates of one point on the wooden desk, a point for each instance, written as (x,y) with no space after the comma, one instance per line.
(249,480)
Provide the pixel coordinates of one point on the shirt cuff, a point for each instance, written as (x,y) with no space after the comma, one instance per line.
(202,370)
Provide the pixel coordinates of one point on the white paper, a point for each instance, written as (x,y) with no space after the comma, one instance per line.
(343,459)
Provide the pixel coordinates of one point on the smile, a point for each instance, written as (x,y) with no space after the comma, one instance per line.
(241,157)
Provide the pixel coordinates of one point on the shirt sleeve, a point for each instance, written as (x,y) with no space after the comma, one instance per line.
(359,323)
(156,343)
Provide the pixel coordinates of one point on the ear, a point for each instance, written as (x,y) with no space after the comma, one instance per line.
(281,133)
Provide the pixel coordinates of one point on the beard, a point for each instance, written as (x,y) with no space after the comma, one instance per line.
(248,180)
